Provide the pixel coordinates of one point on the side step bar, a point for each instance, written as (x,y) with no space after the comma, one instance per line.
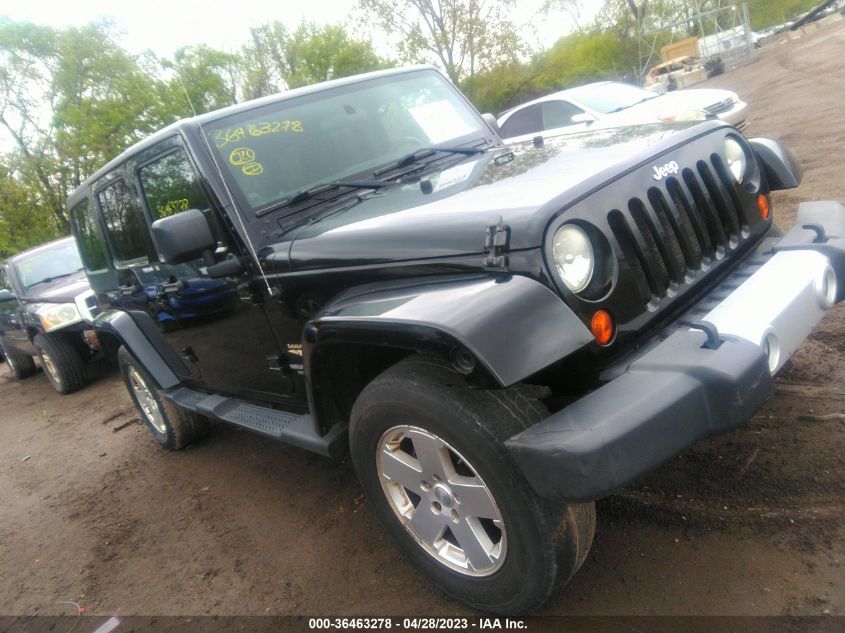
(290,428)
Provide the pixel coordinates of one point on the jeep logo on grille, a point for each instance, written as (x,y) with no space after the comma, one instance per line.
(660,172)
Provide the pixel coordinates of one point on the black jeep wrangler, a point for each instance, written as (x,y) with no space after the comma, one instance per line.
(498,334)
(45,312)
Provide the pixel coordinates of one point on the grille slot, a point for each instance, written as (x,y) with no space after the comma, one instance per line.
(632,253)
(728,183)
(659,262)
(728,213)
(682,226)
(709,216)
(690,220)
(677,239)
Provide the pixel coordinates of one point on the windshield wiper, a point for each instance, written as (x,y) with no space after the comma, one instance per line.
(425,152)
(306,194)
(631,105)
(47,280)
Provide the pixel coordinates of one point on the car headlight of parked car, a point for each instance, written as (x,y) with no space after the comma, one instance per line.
(573,256)
(56,316)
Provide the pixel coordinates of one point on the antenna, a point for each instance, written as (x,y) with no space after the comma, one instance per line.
(175,67)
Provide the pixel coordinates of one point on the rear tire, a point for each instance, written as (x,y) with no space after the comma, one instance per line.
(21,365)
(62,363)
(172,427)
(419,416)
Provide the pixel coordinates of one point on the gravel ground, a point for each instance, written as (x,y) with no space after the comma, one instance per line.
(748,524)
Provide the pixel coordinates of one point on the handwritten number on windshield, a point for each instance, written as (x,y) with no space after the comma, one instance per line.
(222,138)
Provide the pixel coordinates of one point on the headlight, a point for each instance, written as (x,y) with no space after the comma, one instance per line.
(737,159)
(53,317)
(574,258)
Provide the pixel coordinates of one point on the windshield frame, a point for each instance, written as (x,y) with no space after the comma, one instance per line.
(482,132)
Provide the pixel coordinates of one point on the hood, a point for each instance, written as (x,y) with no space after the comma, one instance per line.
(523,185)
(673,103)
(62,290)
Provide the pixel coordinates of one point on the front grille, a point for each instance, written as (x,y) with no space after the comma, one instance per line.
(721,106)
(684,225)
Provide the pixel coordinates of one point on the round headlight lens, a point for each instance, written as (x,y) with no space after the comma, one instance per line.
(574,257)
(737,159)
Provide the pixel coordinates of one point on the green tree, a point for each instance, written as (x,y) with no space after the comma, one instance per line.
(204,79)
(70,100)
(464,37)
(23,220)
(277,58)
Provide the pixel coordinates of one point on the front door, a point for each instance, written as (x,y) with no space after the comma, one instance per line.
(218,326)
(12,326)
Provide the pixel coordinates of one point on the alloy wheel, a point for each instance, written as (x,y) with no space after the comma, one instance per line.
(146,400)
(441,500)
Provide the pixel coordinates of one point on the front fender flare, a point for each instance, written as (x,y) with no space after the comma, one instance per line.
(514,326)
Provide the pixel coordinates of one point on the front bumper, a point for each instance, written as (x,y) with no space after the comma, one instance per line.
(683,389)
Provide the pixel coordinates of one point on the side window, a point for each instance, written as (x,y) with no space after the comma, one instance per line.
(525,121)
(89,236)
(4,281)
(171,186)
(558,114)
(125,224)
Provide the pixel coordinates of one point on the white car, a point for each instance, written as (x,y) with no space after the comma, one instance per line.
(614,104)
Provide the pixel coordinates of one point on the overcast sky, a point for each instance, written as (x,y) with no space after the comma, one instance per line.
(164,26)
(223,24)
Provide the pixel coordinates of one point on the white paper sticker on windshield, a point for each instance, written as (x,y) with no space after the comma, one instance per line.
(440,121)
(454,175)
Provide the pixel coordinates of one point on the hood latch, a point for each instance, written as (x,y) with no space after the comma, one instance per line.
(496,243)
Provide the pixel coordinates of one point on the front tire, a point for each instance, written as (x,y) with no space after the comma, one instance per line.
(62,363)
(430,455)
(172,427)
(21,365)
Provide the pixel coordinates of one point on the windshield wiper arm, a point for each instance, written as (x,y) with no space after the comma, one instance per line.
(425,152)
(47,280)
(305,194)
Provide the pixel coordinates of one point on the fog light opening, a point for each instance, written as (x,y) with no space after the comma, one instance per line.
(771,348)
(828,287)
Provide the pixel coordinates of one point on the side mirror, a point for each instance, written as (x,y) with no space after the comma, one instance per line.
(583,118)
(183,237)
(490,120)
(7,295)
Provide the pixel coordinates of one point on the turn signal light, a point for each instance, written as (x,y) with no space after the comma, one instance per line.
(602,327)
(763,205)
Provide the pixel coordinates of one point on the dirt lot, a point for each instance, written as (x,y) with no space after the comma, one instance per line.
(749,524)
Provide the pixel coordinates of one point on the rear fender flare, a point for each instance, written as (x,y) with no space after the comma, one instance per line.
(137,332)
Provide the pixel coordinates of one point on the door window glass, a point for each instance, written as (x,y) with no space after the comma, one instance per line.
(92,245)
(525,121)
(558,114)
(171,186)
(124,224)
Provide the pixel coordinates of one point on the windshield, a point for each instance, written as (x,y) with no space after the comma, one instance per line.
(58,260)
(271,152)
(611,97)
